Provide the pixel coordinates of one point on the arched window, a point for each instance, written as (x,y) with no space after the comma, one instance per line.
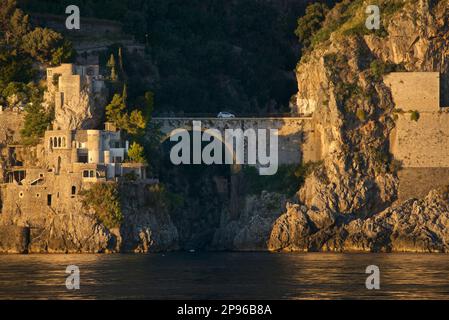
(63,142)
(73,190)
(59,142)
(55,142)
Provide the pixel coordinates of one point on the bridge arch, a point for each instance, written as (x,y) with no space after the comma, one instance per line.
(299,139)
(212,135)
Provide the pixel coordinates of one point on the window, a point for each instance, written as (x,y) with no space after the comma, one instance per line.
(73,190)
(58,169)
(88,173)
(38,195)
(21,194)
(82,158)
(51,142)
(48,199)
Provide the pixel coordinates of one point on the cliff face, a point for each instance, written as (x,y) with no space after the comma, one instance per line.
(353,111)
(414,226)
(73,229)
(251,230)
(347,202)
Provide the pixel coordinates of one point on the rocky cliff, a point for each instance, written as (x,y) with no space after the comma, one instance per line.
(414,226)
(250,230)
(348,201)
(73,228)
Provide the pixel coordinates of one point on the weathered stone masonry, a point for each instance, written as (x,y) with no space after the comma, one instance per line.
(421,146)
(298,139)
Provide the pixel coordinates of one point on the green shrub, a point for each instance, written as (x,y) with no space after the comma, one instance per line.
(288,179)
(310,23)
(136,153)
(104,200)
(361,115)
(414,116)
(160,198)
(36,121)
(379,68)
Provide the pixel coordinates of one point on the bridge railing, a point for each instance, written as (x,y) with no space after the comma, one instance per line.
(237,115)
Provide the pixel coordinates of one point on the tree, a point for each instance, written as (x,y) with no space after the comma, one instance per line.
(37,120)
(112,65)
(120,59)
(136,123)
(136,153)
(311,22)
(14,24)
(104,200)
(125,93)
(133,123)
(149,104)
(115,111)
(65,53)
(47,46)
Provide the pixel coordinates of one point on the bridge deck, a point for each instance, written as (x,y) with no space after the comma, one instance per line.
(231,119)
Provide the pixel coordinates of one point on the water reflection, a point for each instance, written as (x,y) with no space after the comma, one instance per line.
(225,276)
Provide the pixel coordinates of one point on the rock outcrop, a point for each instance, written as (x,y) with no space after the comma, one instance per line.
(80,112)
(414,226)
(14,239)
(348,199)
(251,230)
(147,226)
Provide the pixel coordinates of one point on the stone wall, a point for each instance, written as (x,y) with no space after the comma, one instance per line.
(10,124)
(423,143)
(14,239)
(415,90)
(422,148)
(32,200)
(417,182)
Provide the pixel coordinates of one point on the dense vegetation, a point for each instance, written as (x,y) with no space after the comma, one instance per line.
(104,200)
(211,55)
(287,180)
(21,47)
(348,18)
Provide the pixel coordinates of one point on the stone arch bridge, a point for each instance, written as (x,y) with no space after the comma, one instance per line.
(298,139)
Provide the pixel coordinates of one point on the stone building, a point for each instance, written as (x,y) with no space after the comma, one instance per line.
(77,94)
(70,160)
(71,156)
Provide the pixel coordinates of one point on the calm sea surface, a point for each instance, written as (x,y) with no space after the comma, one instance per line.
(225,276)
